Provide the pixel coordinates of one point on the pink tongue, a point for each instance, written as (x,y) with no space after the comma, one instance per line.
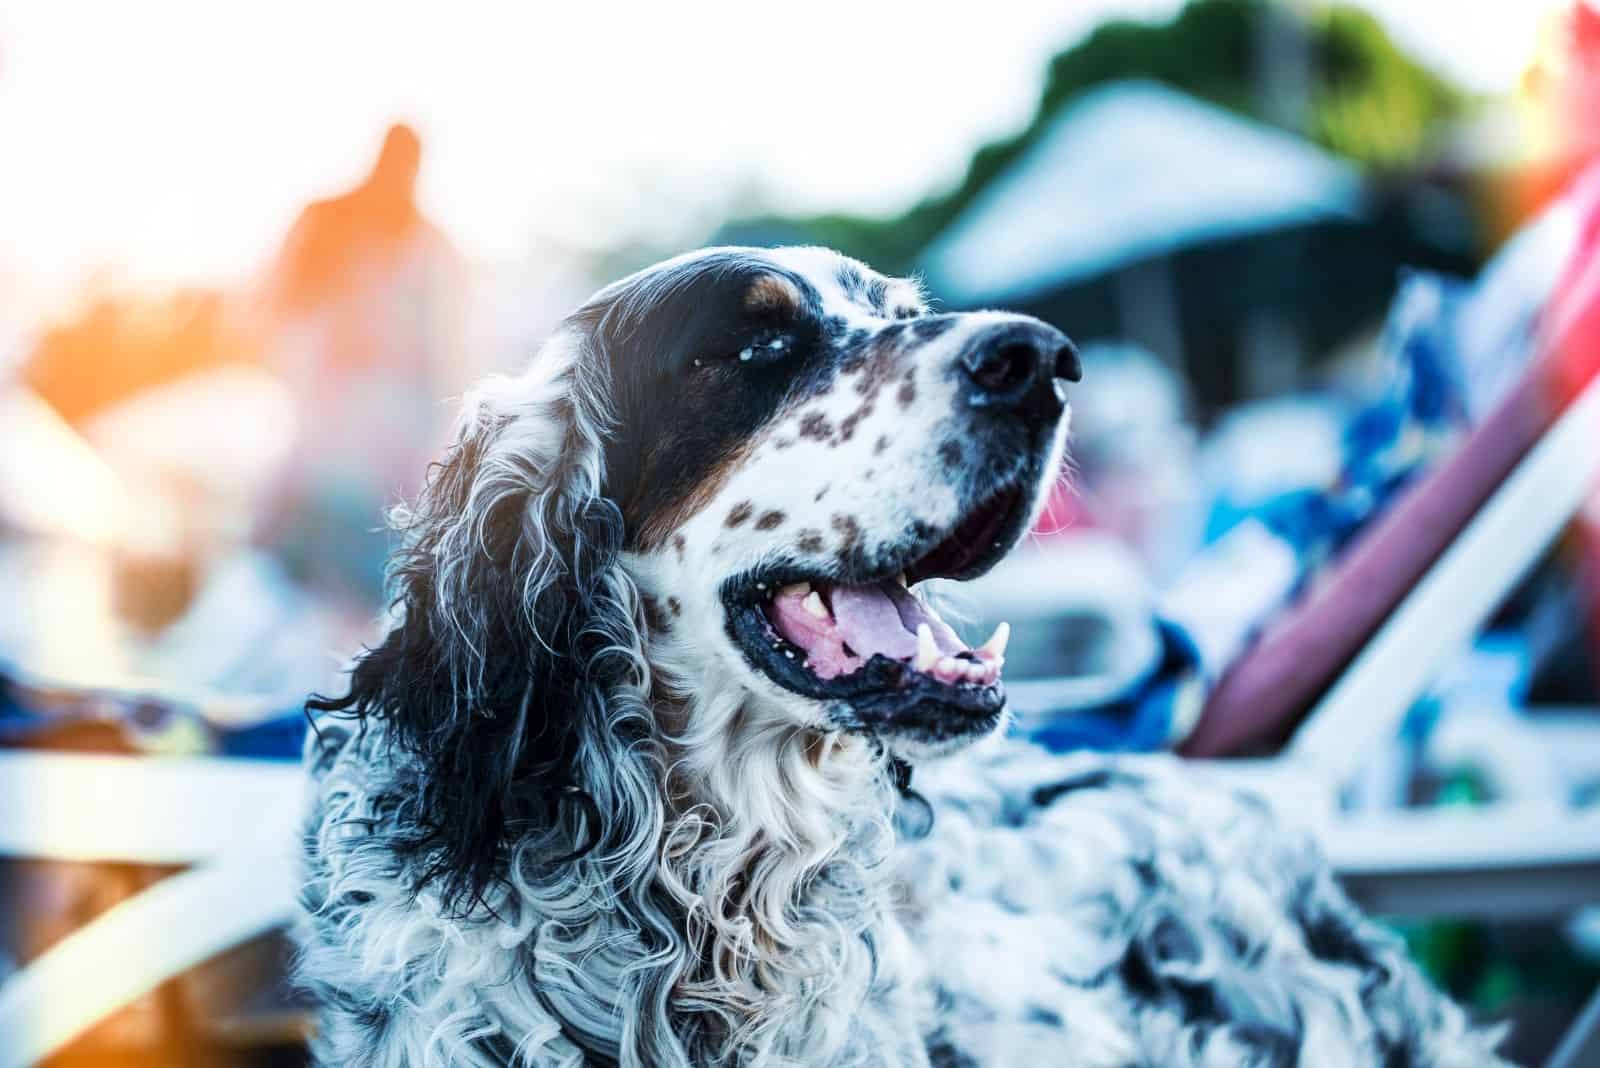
(912,612)
(880,618)
(870,622)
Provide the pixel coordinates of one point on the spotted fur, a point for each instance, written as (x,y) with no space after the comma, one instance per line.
(560,818)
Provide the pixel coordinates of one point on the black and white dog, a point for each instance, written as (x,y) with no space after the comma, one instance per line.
(621,784)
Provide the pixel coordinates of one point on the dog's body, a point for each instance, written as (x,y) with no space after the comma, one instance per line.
(621,783)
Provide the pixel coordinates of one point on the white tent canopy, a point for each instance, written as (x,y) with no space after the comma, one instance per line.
(1129,170)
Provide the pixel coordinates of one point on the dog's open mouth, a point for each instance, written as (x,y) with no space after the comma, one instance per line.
(870,641)
(840,627)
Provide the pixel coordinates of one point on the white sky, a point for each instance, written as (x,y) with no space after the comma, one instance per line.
(169,141)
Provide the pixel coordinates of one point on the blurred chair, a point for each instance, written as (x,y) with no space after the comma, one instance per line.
(1336,676)
(233,822)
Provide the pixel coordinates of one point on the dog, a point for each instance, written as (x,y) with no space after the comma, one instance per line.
(627,781)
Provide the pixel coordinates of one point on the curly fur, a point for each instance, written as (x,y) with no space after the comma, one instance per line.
(1179,925)
(554,823)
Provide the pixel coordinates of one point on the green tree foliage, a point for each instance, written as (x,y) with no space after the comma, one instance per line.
(1362,97)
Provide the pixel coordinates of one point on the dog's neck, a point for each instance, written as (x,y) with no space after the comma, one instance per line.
(774,850)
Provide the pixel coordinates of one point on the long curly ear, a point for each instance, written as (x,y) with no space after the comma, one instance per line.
(512,615)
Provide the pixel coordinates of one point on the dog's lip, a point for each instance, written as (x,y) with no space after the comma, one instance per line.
(977,541)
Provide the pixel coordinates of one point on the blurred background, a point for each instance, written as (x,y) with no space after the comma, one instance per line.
(1329,520)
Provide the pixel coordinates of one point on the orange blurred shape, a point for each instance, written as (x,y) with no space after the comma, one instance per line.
(118,346)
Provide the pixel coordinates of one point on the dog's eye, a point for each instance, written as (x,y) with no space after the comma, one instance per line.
(763,350)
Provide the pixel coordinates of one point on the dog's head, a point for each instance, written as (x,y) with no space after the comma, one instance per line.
(724,477)
(802,443)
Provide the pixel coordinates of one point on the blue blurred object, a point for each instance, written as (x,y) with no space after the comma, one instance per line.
(1140,719)
(1418,408)
(279,738)
(1293,481)
(36,714)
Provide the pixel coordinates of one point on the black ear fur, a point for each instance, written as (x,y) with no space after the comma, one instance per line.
(488,678)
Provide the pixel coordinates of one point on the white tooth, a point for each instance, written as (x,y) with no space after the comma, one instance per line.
(951,668)
(977,672)
(995,647)
(813,604)
(901,578)
(927,651)
(799,589)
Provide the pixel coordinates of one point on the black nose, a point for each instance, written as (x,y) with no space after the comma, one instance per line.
(1016,367)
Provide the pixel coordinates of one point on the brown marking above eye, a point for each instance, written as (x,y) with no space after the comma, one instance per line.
(773,294)
(770,520)
(810,540)
(741,511)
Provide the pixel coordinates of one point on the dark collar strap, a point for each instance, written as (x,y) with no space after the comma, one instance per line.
(902,774)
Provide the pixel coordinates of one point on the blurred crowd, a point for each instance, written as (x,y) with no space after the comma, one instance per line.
(188,450)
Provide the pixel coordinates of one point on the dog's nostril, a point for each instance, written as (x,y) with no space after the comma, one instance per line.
(1005,368)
